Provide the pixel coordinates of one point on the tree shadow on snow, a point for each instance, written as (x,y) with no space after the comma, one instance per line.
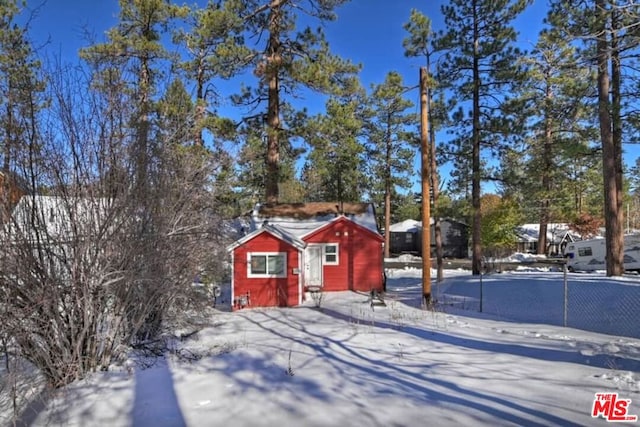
(605,361)
(155,401)
(398,378)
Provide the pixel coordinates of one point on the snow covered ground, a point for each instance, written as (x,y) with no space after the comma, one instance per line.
(348,363)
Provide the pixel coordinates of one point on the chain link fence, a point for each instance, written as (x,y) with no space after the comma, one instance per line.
(590,302)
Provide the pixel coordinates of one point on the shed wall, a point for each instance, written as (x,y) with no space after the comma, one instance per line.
(271,291)
(360,255)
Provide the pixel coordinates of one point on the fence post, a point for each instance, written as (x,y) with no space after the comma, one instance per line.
(566,294)
(481,271)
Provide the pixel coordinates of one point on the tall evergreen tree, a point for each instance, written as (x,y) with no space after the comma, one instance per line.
(336,159)
(479,63)
(20,86)
(607,30)
(390,134)
(554,106)
(251,166)
(135,46)
(215,49)
(288,57)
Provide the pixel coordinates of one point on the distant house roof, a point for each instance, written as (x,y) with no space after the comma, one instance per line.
(299,219)
(556,232)
(59,217)
(406,226)
(413,226)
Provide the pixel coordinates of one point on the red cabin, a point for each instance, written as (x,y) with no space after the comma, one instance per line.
(297,247)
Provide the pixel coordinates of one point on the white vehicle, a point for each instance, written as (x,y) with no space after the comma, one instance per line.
(589,255)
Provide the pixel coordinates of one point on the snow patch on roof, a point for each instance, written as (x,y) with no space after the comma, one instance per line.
(300,219)
(413,226)
(275,231)
(406,226)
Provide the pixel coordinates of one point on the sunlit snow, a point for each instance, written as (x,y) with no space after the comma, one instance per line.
(350,363)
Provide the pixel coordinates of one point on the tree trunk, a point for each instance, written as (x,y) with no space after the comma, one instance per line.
(617,234)
(387,220)
(476,244)
(200,105)
(546,175)
(387,194)
(613,231)
(274,61)
(434,183)
(142,129)
(8,142)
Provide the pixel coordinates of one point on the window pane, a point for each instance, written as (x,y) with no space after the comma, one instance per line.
(276,264)
(585,251)
(258,264)
(331,254)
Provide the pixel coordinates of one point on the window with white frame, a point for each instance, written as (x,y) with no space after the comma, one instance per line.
(266,264)
(330,254)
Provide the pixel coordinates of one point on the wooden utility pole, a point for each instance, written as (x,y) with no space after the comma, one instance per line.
(426,193)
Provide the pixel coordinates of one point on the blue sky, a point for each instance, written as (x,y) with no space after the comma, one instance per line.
(367,31)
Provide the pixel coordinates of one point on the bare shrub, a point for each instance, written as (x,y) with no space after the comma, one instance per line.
(97,264)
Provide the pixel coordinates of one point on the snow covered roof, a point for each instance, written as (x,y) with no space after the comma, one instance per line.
(275,231)
(300,219)
(555,232)
(57,216)
(406,226)
(413,226)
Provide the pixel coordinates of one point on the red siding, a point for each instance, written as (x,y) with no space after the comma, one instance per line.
(266,292)
(360,265)
(368,264)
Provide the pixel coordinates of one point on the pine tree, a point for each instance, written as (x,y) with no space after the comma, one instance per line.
(21,87)
(251,166)
(135,47)
(215,49)
(336,159)
(288,57)
(390,135)
(479,63)
(607,31)
(553,105)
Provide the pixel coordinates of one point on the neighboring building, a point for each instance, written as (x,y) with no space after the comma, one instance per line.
(406,237)
(558,235)
(293,248)
(58,218)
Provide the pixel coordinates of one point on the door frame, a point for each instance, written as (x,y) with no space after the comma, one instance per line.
(317,247)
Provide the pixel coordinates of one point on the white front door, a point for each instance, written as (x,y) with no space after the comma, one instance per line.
(313,266)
